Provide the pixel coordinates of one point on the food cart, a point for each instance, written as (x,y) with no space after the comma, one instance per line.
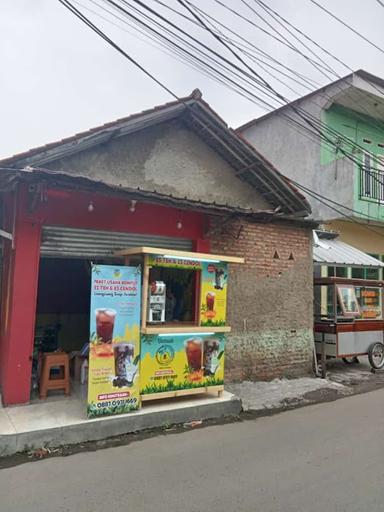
(183,320)
(349,319)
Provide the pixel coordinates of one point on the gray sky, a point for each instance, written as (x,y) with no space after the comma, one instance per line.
(58,78)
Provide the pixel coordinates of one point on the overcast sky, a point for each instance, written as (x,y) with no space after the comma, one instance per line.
(58,78)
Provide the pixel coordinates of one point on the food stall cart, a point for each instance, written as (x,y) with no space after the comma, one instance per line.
(348,312)
(349,319)
(183,320)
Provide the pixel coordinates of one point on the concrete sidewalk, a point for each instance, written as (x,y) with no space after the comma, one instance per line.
(342,380)
(60,421)
(63,422)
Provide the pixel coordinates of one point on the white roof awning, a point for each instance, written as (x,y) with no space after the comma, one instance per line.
(333,252)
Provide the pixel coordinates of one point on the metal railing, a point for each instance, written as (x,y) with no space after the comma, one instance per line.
(372,184)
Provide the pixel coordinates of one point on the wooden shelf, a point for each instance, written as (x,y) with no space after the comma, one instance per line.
(183,392)
(183,329)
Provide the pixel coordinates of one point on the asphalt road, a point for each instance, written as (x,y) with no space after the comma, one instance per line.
(328,457)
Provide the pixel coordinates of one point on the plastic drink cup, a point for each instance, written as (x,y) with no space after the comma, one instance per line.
(105,322)
(193,349)
(210,301)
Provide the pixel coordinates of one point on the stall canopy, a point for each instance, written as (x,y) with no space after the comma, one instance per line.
(328,250)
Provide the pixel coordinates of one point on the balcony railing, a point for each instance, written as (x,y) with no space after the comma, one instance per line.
(372,184)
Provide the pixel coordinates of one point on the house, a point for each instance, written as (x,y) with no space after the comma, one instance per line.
(337,154)
(175,177)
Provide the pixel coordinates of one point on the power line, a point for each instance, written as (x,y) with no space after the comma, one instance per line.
(162,46)
(93,27)
(244,44)
(223,74)
(314,123)
(244,18)
(324,201)
(347,26)
(327,139)
(310,120)
(272,12)
(260,2)
(68,5)
(287,40)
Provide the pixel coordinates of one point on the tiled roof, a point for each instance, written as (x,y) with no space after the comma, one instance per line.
(247,162)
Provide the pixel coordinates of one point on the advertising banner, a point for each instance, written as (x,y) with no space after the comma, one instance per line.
(213,294)
(114,348)
(171,362)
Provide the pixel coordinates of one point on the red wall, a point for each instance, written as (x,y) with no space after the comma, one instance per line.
(21,265)
(71,209)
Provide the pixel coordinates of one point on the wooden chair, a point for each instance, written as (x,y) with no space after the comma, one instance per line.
(54,360)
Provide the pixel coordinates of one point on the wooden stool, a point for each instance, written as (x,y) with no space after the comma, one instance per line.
(61,381)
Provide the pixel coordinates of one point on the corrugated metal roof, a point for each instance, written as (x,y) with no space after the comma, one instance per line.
(335,252)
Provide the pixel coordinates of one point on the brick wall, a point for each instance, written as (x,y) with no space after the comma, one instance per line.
(270,298)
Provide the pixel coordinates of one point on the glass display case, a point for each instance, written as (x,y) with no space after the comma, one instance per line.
(349,319)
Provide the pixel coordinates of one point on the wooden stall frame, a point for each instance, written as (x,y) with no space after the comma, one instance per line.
(195,327)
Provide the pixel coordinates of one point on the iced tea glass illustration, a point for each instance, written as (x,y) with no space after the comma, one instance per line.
(193,349)
(105,322)
(210,301)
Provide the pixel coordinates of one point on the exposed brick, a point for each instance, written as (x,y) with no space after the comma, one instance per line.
(269,300)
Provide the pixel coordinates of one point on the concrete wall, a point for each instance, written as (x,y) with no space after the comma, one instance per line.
(297,154)
(169,158)
(369,239)
(270,299)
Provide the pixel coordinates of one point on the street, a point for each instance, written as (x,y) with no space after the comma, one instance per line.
(323,457)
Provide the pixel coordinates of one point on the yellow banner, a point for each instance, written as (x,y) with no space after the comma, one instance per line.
(171,362)
(114,348)
(213,294)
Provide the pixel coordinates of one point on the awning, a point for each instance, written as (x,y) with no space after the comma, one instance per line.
(334,252)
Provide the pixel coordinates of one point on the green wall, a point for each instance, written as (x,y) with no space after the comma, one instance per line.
(355,127)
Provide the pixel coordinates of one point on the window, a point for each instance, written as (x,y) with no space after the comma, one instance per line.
(337,271)
(348,301)
(366,177)
(367,272)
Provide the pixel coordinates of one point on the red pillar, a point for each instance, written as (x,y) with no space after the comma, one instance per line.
(20,307)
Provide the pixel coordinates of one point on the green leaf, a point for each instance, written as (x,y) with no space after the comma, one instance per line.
(136,360)
(220,355)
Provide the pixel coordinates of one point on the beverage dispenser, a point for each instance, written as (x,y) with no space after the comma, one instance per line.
(156,302)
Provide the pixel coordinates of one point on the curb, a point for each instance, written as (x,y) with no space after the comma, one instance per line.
(104,428)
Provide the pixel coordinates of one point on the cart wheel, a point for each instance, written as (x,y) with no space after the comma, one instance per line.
(350,360)
(376,355)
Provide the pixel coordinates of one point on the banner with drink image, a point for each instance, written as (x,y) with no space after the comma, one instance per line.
(171,362)
(213,294)
(114,348)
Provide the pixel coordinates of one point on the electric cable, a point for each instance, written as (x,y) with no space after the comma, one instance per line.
(362,36)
